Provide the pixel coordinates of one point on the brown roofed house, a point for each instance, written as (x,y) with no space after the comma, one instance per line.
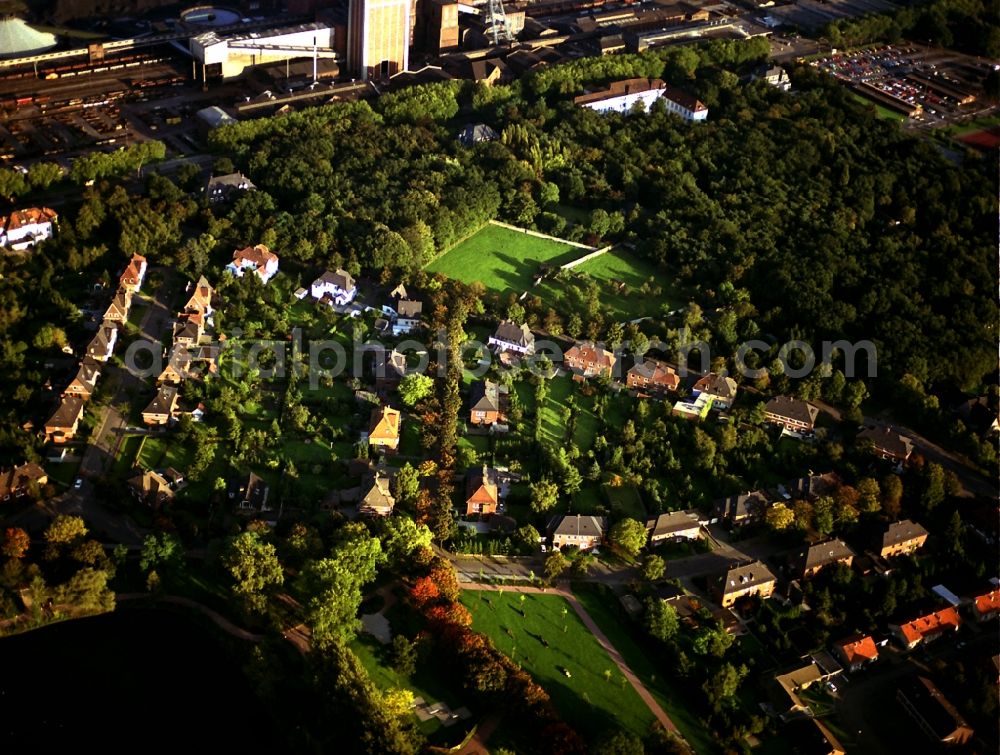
(587,359)
(377,500)
(752,578)
(673,527)
(652,376)
(61,427)
(510,336)
(488,403)
(20,480)
(177,369)
(85,382)
(383,428)
(583,532)
(249,494)
(887,443)
(188,328)
(201,297)
(258,258)
(102,345)
(902,538)
(163,408)
(811,559)
(721,388)
(151,488)
(934,715)
(119,308)
(791,413)
(134,274)
(482,494)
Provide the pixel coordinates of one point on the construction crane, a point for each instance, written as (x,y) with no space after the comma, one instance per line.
(496,21)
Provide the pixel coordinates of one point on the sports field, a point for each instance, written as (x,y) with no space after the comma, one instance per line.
(502,259)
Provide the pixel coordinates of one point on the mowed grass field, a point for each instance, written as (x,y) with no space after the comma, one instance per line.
(596,698)
(501,259)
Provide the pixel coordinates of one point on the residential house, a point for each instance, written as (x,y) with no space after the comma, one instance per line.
(249,494)
(131,280)
(20,480)
(652,376)
(721,388)
(510,336)
(151,488)
(61,427)
(927,628)
(201,297)
(856,651)
(791,413)
(902,538)
(119,307)
(808,488)
(403,311)
(85,382)
(673,527)
(811,559)
(488,403)
(390,368)
(102,345)
(476,133)
(163,408)
(482,492)
(257,258)
(696,408)
(488,72)
(622,96)
(178,367)
(887,443)
(219,189)
(986,607)
(742,580)
(784,692)
(743,508)
(23,229)
(383,428)
(587,359)
(188,328)
(804,735)
(776,76)
(377,499)
(338,287)
(934,715)
(583,532)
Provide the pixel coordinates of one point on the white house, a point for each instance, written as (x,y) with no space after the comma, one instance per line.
(622,96)
(102,346)
(22,229)
(338,285)
(512,337)
(258,258)
(131,280)
(403,311)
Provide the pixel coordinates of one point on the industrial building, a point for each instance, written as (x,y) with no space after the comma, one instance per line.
(225,56)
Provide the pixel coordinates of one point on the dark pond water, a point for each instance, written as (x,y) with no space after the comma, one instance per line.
(137,680)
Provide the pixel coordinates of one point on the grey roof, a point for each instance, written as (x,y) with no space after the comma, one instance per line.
(187,329)
(509,332)
(901,532)
(752,504)
(811,487)
(251,490)
(102,340)
(69,412)
(340,278)
(746,575)
(88,373)
(792,408)
(579,525)
(667,524)
(721,386)
(474,133)
(377,498)
(821,554)
(485,395)
(215,116)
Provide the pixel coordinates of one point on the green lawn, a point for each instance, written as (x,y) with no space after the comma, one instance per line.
(501,259)
(626,501)
(671,693)
(127,451)
(883,112)
(151,452)
(596,698)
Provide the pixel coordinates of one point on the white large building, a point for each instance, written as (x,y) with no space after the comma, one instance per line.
(228,55)
(622,96)
(22,229)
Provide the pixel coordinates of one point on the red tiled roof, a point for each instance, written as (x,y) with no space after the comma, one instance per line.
(931,624)
(989,602)
(258,256)
(859,648)
(30,215)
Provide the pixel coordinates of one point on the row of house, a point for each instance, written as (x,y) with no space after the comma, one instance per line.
(188,358)
(64,423)
(622,96)
(24,229)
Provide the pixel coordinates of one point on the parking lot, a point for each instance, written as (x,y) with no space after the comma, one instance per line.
(933,87)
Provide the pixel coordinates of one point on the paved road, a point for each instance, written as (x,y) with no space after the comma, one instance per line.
(217,618)
(601,638)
